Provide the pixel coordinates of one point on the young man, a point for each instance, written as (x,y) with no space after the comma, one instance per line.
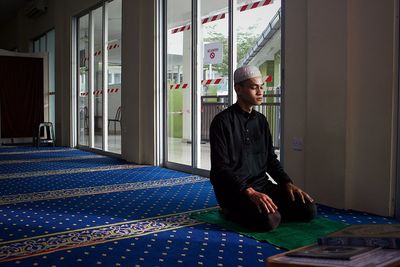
(241,154)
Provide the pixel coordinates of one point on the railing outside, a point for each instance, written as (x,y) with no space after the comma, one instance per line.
(270,107)
(211,106)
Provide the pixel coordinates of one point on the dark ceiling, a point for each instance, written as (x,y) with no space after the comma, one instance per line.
(9,8)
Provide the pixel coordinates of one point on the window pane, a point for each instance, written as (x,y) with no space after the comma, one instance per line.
(98,77)
(52,86)
(83,89)
(43,43)
(36,47)
(179,49)
(259,44)
(114,71)
(214,89)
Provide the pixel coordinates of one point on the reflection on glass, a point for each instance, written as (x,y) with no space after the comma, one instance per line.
(214,88)
(46,43)
(179,67)
(98,77)
(52,82)
(114,76)
(259,43)
(83,90)
(43,43)
(36,46)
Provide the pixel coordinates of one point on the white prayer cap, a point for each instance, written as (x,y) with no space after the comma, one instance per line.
(246,72)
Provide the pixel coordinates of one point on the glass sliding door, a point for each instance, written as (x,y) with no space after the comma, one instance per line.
(179,91)
(46,43)
(188,118)
(252,38)
(258,34)
(83,80)
(114,75)
(99,82)
(213,87)
(51,47)
(97,117)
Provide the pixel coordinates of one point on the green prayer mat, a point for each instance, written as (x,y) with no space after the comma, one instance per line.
(289,235)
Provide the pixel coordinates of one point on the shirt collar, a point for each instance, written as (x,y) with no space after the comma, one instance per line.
(247,115)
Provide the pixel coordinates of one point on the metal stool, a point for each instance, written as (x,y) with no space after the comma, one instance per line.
(45,134)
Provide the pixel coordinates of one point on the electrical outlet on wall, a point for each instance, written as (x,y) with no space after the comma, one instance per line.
(297,144)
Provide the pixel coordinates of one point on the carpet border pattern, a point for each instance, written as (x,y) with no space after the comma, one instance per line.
(19,161)
(33,246)
(69,171)
(95,190)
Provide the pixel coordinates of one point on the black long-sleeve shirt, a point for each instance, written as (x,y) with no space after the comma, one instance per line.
(241,153)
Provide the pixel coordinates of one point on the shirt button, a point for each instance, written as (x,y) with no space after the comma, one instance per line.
(247,130)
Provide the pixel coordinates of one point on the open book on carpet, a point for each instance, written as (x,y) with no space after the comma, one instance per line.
(331,252)
(369,235)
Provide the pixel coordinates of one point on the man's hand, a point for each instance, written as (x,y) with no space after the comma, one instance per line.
(262,201)
(292,189)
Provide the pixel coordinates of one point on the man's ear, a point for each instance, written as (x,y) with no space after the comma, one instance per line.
(237,89)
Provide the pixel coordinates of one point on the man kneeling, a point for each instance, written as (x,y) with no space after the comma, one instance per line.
(241,154)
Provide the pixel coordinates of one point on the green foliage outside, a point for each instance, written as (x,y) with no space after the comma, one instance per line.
(246,39)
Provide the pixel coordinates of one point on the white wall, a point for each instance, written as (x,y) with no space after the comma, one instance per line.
(339,70)
(371,109)
(138,81)
(294,90)
(326,99)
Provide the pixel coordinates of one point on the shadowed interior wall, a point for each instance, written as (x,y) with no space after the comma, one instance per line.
(21,95)
(339,100)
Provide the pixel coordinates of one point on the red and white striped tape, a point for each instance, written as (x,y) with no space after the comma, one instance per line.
(268,79)
(203,82)
(179,85)
(100,92)
(212,81)
(181,29)
(254,5)
(112,46)
(113,90)
(222,16)
(203,21)
(98,53)
(213,18)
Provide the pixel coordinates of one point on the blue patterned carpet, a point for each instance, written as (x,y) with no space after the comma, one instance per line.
(65,207)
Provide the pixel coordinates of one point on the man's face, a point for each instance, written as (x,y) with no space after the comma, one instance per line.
(250,91)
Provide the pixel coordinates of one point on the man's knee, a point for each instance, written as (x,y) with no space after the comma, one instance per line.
(266,221)
(299,211)
(254,221)
(309,212)
(272,220)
